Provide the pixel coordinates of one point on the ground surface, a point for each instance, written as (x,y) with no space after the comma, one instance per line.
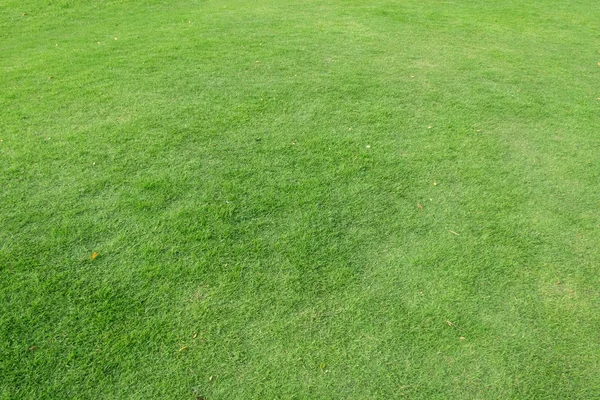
(299,199)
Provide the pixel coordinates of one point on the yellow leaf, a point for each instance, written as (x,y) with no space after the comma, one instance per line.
(95,255)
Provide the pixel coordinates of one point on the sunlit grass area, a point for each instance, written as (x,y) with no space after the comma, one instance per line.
(299,199)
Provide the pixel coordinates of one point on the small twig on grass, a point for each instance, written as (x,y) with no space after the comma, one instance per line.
(451,324)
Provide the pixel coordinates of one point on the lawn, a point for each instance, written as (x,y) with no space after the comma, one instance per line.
(343,199)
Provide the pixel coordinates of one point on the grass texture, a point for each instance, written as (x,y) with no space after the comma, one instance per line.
(343,199)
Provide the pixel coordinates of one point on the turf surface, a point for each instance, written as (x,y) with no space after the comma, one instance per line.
(299,199)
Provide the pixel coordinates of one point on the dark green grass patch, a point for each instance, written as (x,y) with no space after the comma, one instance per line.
(309,200)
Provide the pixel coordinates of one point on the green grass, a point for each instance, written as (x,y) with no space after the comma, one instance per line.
(250,173)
